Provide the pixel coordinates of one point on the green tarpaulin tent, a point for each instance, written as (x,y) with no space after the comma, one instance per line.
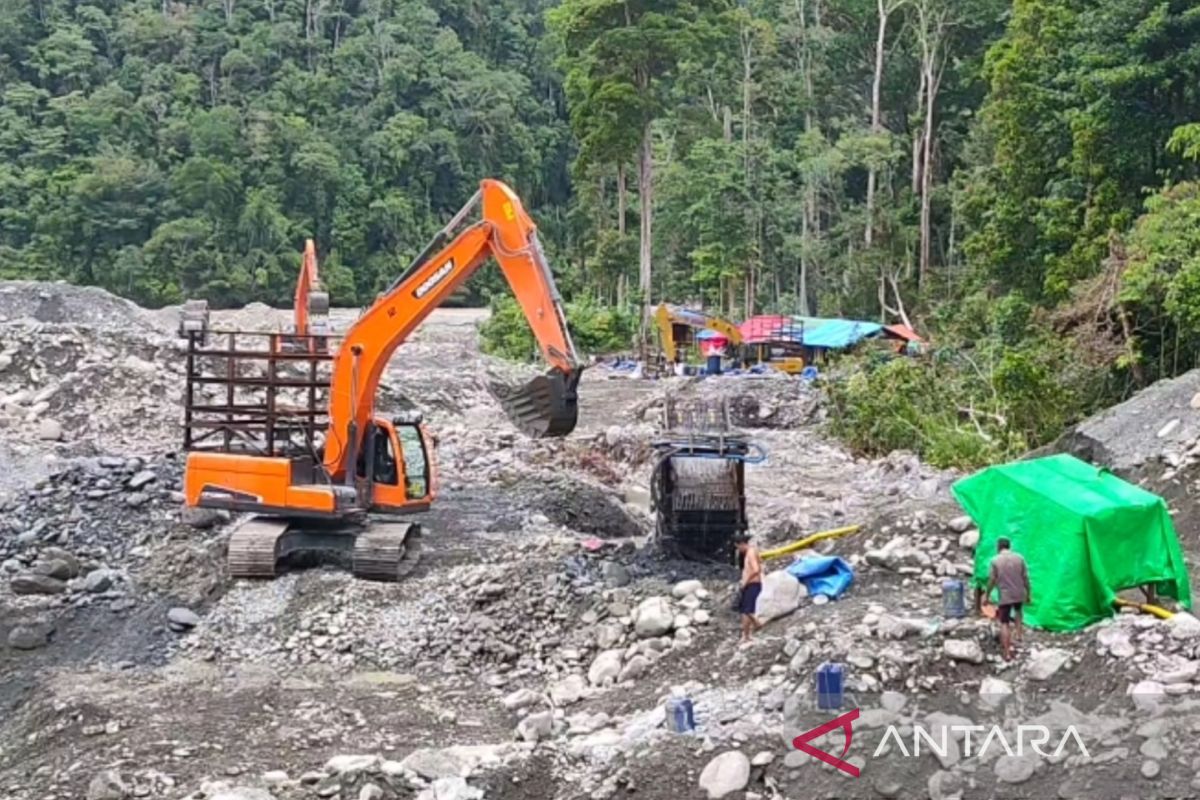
(1085,534)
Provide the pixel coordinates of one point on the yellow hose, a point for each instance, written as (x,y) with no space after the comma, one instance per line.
(1157,611)
(783,550)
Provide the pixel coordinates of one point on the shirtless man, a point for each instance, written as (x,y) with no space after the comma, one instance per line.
(1008,573)
(750,587)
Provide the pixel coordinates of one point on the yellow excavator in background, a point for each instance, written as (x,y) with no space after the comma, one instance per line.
(293,436)
(677,329)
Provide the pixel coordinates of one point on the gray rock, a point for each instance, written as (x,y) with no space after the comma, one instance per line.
(569,690)
(183,618)
(536,726)
(960,524)
(945,785)
(886,785)
(143,478)
(685,588)
(29,637)
(433,764)
(800,660)
(201,518)
(49,430)
(994,691)
(969,540)
(606,668)
(725,774)
(351,764)
(762,759)
(1146,695)
(451,789)
(1154,749)
(1044,664)
(1150,769)
(964,650)
(1184,626)
(521,698)
(781,595)
(1015,769)
(634,668)
(653,617)
(370,791)
(614,574)
(30,583)
(98,581)
(53,568)
(68,558)
(108,785)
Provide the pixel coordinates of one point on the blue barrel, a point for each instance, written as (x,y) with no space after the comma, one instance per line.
(714,366)
(680,717)
(953,604)
(831,684)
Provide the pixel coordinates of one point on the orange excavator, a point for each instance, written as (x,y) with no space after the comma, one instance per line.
(310,308)
(291,434)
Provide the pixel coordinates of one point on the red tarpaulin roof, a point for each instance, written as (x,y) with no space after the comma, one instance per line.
(765,327)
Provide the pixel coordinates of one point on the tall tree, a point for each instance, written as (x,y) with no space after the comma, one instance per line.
(619,58)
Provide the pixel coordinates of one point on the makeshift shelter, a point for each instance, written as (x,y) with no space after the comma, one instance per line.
(835,334)
(769,328)
(1085,534)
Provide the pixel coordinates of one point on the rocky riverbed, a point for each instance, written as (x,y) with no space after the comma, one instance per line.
(532,651)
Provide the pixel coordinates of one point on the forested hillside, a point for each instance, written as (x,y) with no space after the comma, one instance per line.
(161,149)
(1014,177)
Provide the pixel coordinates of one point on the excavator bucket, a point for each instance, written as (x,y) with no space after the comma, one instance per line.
(545,407)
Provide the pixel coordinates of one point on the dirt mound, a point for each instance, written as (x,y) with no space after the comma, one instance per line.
(64,304)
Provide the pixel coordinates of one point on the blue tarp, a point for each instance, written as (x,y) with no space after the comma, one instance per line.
(836,333)
(827,575)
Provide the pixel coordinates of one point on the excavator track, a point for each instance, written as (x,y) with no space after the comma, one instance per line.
(545,407)
(253,547)
(386,551)
(381,551)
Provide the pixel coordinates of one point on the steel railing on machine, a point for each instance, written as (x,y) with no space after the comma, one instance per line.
(260,393)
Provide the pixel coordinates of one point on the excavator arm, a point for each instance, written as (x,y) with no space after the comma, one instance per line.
(311,300)
(545,407)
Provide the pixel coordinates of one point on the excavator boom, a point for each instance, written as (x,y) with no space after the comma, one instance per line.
(546,407)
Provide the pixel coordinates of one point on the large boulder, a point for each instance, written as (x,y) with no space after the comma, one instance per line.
(1043,664)
(654,617)
(606,668)
(781,595)
(725,774)
(964,650)
(432,764)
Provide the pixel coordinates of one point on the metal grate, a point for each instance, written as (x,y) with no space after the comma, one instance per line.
(256,393)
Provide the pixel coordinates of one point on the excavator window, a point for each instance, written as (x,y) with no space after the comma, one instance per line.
(416,463)
(385,459)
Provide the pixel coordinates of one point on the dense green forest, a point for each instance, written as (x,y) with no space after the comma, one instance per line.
(1016,178)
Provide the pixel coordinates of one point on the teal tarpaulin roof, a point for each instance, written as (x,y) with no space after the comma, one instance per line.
(836,333)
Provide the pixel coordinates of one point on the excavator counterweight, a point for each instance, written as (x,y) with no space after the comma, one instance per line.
(285,426)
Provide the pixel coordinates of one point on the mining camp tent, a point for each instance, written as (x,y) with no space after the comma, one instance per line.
(1085,534)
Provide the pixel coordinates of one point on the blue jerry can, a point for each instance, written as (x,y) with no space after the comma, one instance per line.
(831,682)
(953,605)
(680,717)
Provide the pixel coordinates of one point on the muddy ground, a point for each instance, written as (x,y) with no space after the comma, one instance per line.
(317,685)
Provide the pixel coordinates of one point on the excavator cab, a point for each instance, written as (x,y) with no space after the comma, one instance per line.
(395,471)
